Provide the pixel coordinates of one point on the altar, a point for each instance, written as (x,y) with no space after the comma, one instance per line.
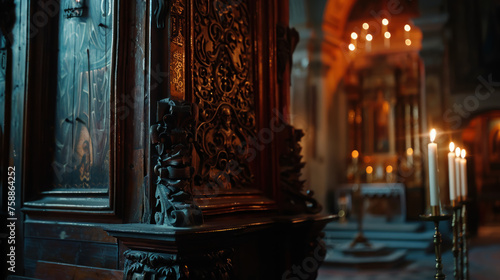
(382,202)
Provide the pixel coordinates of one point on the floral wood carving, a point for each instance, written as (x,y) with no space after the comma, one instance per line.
(294,200)
(286,40)
(172,137)
(215,265)
(223,91)
(146,265)
(177,48)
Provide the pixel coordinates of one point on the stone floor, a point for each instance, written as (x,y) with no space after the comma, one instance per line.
(484,263)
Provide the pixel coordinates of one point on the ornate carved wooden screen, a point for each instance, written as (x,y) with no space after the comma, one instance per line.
(74,160)
(223,92)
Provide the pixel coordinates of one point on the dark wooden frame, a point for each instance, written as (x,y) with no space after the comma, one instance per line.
(35,200)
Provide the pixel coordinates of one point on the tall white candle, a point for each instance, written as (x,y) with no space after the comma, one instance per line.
(433,183)
(354,39)
(387,39)
(451,172)
(355,155)
(369,174)
(458,185)
(463,175)
(368,42)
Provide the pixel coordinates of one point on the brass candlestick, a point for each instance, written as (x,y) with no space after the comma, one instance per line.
(465,253)
(455,223)
(357,199)
(437,240)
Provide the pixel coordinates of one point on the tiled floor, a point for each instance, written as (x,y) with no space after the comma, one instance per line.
(484,263)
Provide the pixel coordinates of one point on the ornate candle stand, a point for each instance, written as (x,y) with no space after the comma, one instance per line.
(457,241)
(436,217)
(465,253)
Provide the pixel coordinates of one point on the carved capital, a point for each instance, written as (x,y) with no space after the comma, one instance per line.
(294,201)
(173,139)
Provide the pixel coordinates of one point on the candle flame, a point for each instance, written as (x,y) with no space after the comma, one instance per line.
(388,169)
(409,151)
(366,26)
(433,135)
(355,154)
(407,28)
(463,153)
(385,21)
(369,37)
(457,152)
(452,147)
(354,35)
(369,169)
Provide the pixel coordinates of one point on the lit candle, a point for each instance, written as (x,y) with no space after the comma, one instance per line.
(365,26)
(457,174)
(385,22)
(409,156)
(387,39)
(433,183)
(369,174)
(354,38)
(355,155)
(388,173)
(368,43)
(352,47)
(463,175)
(407,31)
(451,172)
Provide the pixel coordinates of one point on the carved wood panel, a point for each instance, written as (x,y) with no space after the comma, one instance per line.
(82,103)
(223,92)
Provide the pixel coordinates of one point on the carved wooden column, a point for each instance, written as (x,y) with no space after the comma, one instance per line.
(173,137)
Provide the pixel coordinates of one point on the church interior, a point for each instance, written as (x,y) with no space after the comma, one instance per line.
(250,139)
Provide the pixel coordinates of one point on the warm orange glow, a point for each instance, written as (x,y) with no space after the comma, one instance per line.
(366,26)
(409,151)
(354,35)
(407,28)
(352,47)
(462,153)
(387,34)
(385,21)
(433,135)
(369,37)
(369,169)
(388,169)
(355,154)
(457,152)
(452,147)
(408,42)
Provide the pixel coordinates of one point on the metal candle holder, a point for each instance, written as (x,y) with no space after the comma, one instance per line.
(460,243)
(457,241)
(465,253)
(436,218)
